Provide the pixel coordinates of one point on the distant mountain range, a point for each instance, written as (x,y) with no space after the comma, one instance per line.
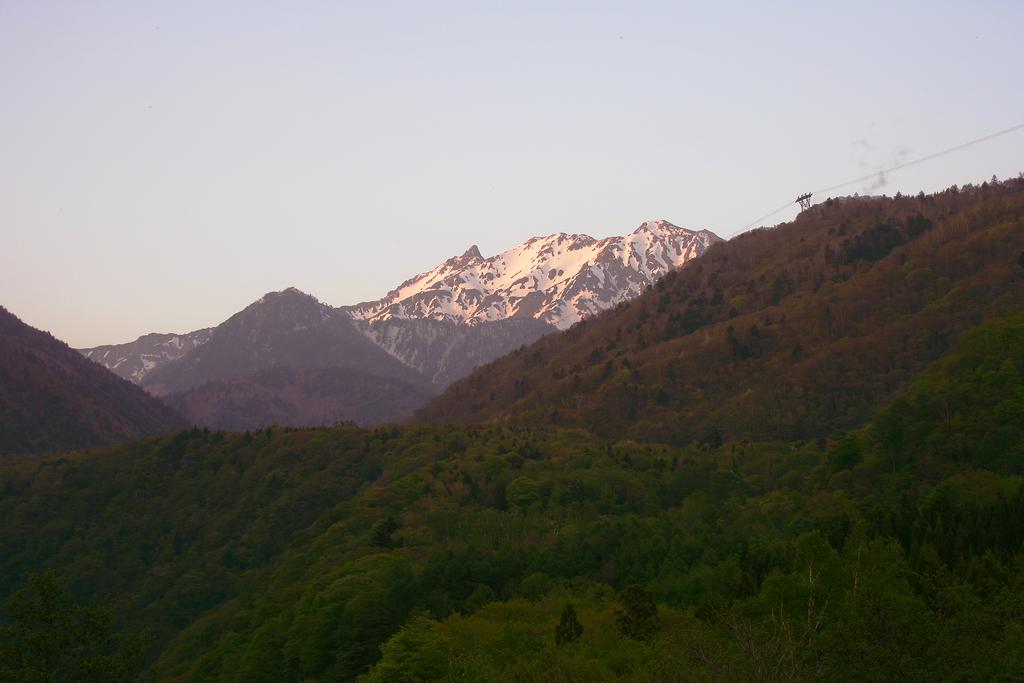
(51,398)
(434,329)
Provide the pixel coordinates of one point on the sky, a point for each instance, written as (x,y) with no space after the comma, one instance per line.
(163,165)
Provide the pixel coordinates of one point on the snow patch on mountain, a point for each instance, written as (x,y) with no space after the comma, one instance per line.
(558,279)
(134,360)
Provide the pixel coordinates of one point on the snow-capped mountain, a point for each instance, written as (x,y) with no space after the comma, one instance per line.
(134,360)
(434,329)
(558,279)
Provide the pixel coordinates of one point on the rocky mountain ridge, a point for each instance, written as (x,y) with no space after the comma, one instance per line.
(559,279)
(134,360)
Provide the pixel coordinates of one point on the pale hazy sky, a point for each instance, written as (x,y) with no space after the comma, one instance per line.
(164,164)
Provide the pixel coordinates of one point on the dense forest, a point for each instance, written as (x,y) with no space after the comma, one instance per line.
(292,555)
(718,505)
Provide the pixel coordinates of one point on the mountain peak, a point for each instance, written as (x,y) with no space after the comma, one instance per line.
(288,304)
(473,252)
(290,293)
(657,225)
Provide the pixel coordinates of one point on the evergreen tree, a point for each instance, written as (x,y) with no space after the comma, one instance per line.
(569,629)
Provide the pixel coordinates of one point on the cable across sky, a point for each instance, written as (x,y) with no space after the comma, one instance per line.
(882,173)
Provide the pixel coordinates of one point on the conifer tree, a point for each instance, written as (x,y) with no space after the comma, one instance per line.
(569,629)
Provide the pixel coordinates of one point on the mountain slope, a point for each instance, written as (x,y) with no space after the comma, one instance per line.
(286,328)
(558,279)
(393,367)
(51,398)
(134,360)
(791,332)
(444,351)
(298,397)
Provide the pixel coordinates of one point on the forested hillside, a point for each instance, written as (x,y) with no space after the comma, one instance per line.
(788,333)
(300,397)
(894,551)
(51,398)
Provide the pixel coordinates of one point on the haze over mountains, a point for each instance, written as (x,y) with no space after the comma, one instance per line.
(430,331)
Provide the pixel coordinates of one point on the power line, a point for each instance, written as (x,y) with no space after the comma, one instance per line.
(944,152)
(767,215)
(897,167)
